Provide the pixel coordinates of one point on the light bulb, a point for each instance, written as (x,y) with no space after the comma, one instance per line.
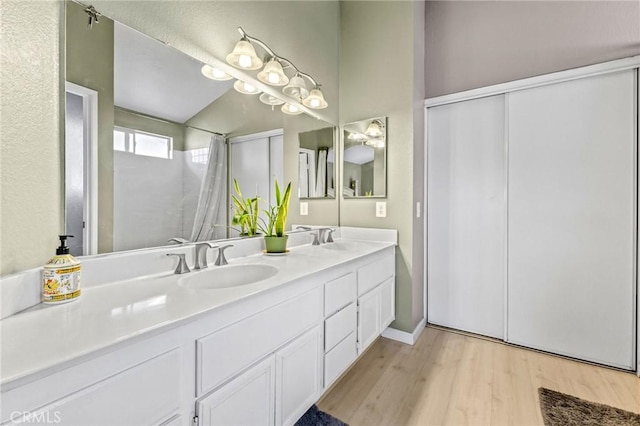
(274,78)
(249,88)
(244,61)
(293,108)
(315,103)
(219,74)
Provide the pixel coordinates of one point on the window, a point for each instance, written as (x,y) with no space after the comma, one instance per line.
(142,143)
(200,156)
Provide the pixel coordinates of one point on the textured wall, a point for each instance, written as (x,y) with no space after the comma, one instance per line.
(30,152)
(472,44)
(370,39)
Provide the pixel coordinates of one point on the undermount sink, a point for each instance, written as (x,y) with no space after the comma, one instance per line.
(217,277)
(343,245)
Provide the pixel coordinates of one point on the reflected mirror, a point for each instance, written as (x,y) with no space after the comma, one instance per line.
(316,165)
(364,158)
(151,143)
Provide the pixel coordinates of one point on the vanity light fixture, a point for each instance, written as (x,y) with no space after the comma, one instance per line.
(244,56)
(245,88)
(214,73)
(296,88)
(273,74)
(315,99)
(291,109)
(268,99)
(374,129)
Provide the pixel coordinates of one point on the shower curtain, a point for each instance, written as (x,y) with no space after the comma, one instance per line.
(321,173)
(211,191)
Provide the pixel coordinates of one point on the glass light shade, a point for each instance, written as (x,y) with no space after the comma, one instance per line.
(214,73)
(296,88)
(374,129)
(291,109)
(245,88)
(273,74)
(376,142)
(315,100)
(244,56)
(268,99)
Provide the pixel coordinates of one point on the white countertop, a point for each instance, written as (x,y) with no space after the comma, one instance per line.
(48,335)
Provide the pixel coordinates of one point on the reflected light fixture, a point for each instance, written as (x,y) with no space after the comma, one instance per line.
(291,109)
(315,99)
(374,129)
(268,99)
(214,73)
(273,74)
(245,88)
(244,56)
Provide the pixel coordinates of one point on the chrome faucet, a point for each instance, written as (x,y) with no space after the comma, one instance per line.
(221,260)
(201,259)
(182,267)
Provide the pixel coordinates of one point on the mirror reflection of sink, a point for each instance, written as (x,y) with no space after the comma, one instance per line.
(217,277)
(344,245)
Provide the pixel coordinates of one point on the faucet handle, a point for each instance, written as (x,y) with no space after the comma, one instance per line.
(330,232)
(201,260)
(182,267)
(316,238)
(221,260)
(177,240)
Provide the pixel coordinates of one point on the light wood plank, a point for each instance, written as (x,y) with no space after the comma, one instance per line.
(451,378)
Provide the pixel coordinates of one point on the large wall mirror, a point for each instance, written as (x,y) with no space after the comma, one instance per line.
(364,159)
(152,144)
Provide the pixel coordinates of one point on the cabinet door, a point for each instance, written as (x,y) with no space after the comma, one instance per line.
(467,216)
(299,367)
(246,400)
(387,303)
(368,319)
(572,210)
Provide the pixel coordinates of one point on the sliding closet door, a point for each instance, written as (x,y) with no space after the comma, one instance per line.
(466,216)
(572,209)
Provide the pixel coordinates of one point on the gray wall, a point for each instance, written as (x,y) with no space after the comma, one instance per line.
(374,35)
(471,44)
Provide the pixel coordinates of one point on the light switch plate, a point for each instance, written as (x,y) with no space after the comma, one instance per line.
(381,209)
(304,208)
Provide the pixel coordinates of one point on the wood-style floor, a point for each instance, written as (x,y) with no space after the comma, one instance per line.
(448,378)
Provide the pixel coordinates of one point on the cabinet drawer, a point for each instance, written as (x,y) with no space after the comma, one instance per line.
(339,359)
(154,385)
(224,353)
(339,293)
(374,273)
(338,326)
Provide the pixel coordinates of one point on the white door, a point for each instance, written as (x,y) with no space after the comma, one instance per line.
(299,374)
(467,216)
(246,400)
(572,210)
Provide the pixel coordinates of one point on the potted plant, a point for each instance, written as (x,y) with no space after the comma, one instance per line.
(275,239)
(245,213)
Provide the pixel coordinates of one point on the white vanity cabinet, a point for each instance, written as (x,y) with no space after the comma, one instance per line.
(144,383)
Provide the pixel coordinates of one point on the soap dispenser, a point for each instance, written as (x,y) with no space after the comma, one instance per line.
(61,276)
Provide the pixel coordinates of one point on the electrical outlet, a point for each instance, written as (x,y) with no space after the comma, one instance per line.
(381,209)
(304,208)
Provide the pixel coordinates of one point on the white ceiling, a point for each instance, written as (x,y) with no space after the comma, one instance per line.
(157,80)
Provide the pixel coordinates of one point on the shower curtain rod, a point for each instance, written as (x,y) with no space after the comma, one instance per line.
(162,120)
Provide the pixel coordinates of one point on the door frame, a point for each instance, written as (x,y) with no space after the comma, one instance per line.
(90,207)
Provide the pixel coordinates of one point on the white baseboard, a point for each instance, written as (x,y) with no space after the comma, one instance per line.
(403,336)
